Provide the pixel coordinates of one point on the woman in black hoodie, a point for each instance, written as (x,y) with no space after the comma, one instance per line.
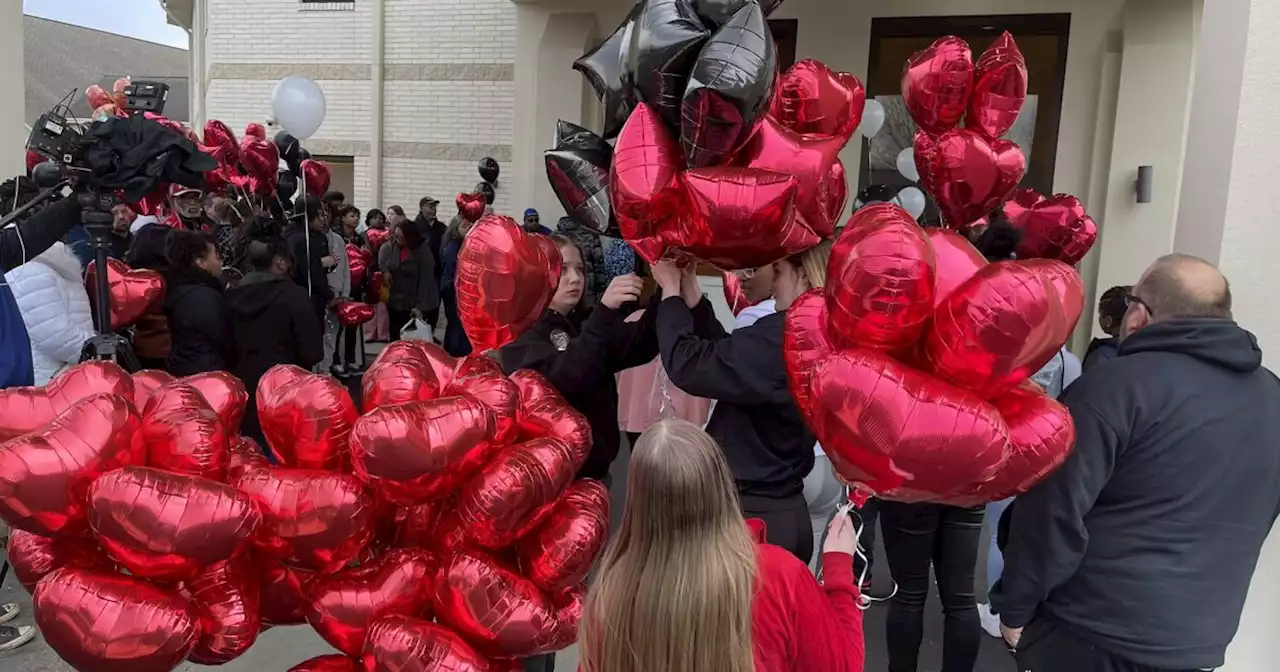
(199,319)
(581,354)
(755,421)
(273,321)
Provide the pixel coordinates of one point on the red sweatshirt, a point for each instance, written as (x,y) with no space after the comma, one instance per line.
(800,626)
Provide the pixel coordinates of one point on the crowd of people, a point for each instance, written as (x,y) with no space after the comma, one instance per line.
(1135,556)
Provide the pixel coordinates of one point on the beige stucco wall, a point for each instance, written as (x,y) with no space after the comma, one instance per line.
(13,130)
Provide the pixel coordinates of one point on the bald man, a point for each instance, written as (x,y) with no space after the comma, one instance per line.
(1136,555)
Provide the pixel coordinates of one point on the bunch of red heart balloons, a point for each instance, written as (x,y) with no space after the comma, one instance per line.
(133,292)
(717,156)
(441,529)
(912,364)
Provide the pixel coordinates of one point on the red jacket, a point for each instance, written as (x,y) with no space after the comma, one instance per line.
(800,626)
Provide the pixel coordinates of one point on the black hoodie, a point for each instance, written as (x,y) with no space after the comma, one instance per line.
(199,323)
(1144,542)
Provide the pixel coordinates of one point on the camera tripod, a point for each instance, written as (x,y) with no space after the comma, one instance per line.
(107,345)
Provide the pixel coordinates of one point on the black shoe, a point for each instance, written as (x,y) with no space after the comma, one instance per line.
(12,638)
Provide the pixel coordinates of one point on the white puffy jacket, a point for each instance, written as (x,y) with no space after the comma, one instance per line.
(55,308)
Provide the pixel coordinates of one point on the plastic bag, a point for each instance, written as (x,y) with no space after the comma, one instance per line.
(416,330)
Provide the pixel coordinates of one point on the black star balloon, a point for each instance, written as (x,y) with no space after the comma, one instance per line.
(581,182)
(572,136)
(603,68)
(716,13)
(665,42)
(729,89)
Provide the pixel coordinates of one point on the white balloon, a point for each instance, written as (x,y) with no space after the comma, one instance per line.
(907,164)
(912,200)
(872,118)
(299,106)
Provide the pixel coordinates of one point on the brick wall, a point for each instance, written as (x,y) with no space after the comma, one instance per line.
(448,85)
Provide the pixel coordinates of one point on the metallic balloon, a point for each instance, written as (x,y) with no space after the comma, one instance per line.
(804,344)
(833,192)
(315,177)
(815,100)
(485,189)
(145,384)
(404,644)
(353,313)
(1052,228)
(560,552)
(312,520)
(489,169)
(936,84)
(224,392)
(902,434)
(552,417)
(715,13)
(955,261)
(534,387)
(45,476)
(1001,326)
(182,433)
(220,137)
(603,67)
(492,389)
(999,88)
(729,88)
(341,607)
(497,609)
(34,557)
(741,217)
(880,281)
(134,292)
(359,259)
(512,493)
(244,454)
(255,130)
(644,186)
(505,280)
(967,174)
(733,293)
(807,158)
(307,422)
(416,452)
(665,41)
(226,599)
(580,180)
(168,527)
(107,621)
(415,525)
(261,162)
(281,592)
(402,373)
(26,409)
(574,137)
(471,206)
(335,662)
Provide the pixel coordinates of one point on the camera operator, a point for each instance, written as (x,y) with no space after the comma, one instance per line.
(122,217)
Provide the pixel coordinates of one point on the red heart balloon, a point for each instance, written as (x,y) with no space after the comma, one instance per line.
(471,207)
(133,292)
(261,161)
(1021,201)
(814,100)
(222,139)
(967,174)
(341,607)
(225,394)
(505,281)
(999,89)
(403,372)
(106,621)
(313,520)
(244,454)
(96,96)
(182,433)
(497,609)
(955,261)
(552,417)
(376,238)
(256,130)
(45,476)
(534,387)
(168,527)
(415,525)
(315,175)
(307,422)
(833,192)
(145,384)
(936,84)
(560,552)
(34,557)
(807,158)
(804,344)
(643,185)
(403,644)
(515,490)
(1000,326)
(1054,228)
(353,313)
(881,418)
(358,259)
(226,599)
(741,217)
(26,409)
(479,377)
(879,280)
(335,662)
(281,592)
(416,452)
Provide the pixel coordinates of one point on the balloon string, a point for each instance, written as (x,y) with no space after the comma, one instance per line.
(306,229)
(846,509)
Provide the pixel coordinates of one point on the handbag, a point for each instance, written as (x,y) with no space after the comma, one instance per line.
(416,330)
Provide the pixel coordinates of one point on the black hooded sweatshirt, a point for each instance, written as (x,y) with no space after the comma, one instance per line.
(1143,544)
(199,323)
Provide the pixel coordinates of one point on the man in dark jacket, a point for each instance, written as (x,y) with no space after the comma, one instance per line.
(273,323)
(197,313)
(1138,553)
(433,232)
(308,244)
(1111,310)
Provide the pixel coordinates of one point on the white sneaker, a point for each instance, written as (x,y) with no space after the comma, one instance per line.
(990,621)
(8,612)
(12,638)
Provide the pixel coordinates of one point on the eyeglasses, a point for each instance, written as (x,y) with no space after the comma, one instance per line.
(1131,300)
(746,274)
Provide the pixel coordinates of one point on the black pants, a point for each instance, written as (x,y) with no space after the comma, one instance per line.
(344,351)
(870,515)
(398,318)
(1048,647)
(544,663)
(786,521)
(915,536)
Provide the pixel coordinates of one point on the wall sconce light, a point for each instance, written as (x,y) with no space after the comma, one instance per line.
(1144,183)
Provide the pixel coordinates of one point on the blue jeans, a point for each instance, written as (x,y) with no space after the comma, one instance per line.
(995,559)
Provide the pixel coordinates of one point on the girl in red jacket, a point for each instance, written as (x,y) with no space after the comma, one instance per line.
(684,588)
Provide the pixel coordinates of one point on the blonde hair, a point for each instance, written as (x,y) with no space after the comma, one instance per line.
(813,262)
(674,591)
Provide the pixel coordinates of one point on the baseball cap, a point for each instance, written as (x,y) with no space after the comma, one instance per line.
(530,213)
(176,189)
(427,200)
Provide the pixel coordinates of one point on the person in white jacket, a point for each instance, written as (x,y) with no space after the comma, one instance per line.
(55,307)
